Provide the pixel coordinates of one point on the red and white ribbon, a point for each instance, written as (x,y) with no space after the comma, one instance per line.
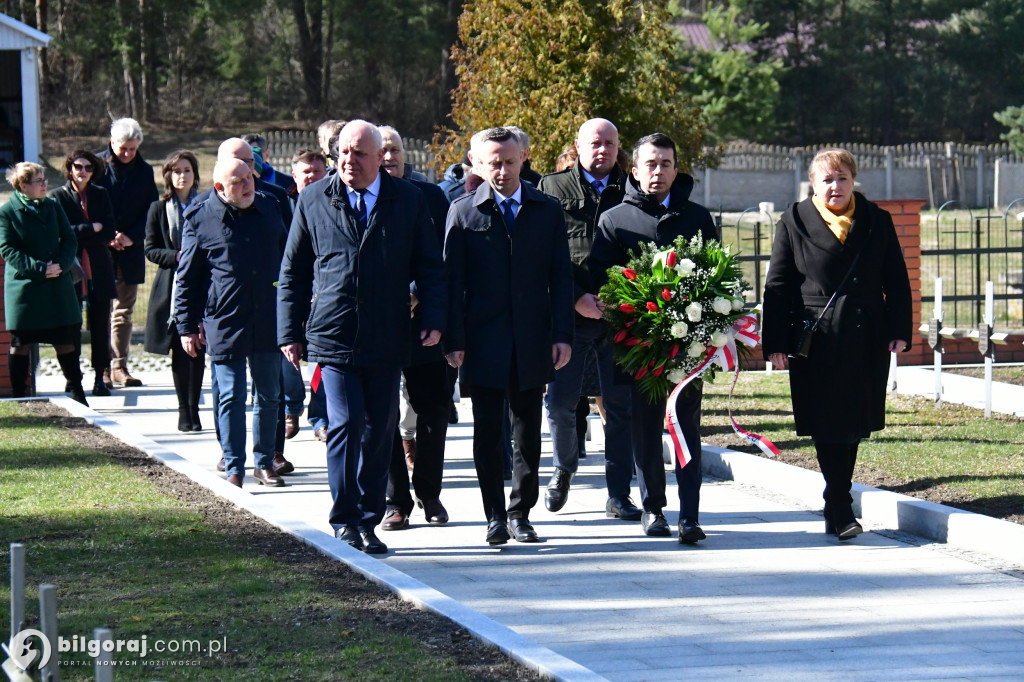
(314,381)
(746,330)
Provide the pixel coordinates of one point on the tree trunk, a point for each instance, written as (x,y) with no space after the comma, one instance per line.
(144,60)
(42,10)
(309,23)
(325,96)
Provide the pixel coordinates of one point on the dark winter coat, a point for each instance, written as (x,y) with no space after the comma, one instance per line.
(226,278)
(640,219)
(132,189)
(94,243)
(437,204)
(163,250)
(582,206)
(359,314)
(839,390)
(29,239)
(510,289)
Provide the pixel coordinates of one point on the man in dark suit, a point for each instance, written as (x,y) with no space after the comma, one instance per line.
(234,306)
(656,208)
(510,326)
(426,385)
(358,239)
(593,185)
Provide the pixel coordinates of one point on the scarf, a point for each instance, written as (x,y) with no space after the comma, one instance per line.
(175,211)
(839,224)
(32,204)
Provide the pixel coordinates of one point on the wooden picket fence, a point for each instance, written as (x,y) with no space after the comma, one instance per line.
(752,156)
(284,143)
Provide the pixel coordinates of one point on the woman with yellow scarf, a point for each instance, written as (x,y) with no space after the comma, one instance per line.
(837,267)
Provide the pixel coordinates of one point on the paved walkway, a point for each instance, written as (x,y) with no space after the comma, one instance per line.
(767,596)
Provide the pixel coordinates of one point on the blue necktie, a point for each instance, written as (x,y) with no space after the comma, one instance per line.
(507,210)
(361,218)
(598,186)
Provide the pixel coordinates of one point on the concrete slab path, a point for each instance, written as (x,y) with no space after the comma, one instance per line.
(767,596)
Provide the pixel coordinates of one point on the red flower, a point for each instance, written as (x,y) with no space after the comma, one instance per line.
(632,341)
(652,306)
(645,344)
(671,260)
(658,371)
(629,273)
(675,351)
(627,308)
(641,373)
(666,294)
(621,335)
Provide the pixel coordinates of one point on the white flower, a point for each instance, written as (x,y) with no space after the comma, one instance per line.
(679,330)
(695,349)
(719,339)
(737,304)
(721,305)
(685,267)
(676,375)
(693,312)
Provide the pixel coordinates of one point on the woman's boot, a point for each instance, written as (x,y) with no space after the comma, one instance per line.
(18,366)
(73,373)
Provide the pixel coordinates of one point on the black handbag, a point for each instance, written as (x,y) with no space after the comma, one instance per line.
(802,326)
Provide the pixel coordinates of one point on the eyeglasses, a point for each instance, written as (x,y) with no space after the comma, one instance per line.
(37,181)
(85,168)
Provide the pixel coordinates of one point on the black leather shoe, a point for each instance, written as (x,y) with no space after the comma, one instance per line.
(435,512)
(99,389)
(850,531)
(622,508)
(690,532)
(558,490)
(371,545)
(522,531)
(655,525)
(351,536)
(497,533)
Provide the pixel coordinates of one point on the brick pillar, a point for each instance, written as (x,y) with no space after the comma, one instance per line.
(906,217)
(5,342)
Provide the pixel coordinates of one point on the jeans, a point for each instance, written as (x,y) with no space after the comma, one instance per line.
(562,397)
(231,385)
(294,388)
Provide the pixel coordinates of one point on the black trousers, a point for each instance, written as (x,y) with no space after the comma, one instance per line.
(836,461)
(648,427)
(98,319)
(525,408)
(430,397)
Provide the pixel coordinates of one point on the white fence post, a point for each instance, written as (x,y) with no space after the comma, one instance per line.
(48,626)
(17,588)
(937,314)
(104,669)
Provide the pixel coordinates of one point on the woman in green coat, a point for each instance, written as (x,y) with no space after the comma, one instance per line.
(40,303)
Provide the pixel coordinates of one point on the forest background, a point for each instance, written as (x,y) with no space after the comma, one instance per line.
(793,72)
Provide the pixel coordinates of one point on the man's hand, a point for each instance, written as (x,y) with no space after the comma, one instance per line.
(293,352)
(430,337)
(897,346)
(53,270)
(560,354)
(191,343)
(778,360)
(589,305)
(455,358)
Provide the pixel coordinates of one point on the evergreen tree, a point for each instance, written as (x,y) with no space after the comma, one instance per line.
(548,66)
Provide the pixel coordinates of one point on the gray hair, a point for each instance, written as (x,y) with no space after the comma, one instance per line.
(493,135)
(124,129)
(524,139)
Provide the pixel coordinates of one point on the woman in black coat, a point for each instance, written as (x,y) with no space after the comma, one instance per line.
(839,387)
(88,208)
(163,247)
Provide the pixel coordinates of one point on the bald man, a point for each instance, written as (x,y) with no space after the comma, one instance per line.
(359,239)
(231,247)
(586,190)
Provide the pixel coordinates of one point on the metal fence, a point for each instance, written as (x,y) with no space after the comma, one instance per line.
(966,250)
(750,234)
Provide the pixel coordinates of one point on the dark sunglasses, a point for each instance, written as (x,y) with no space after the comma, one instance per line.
(85,168)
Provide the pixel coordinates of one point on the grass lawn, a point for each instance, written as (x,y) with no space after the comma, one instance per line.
(133,546)
(951,455)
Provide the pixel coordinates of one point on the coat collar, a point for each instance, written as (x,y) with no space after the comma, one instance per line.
(820,235)
(530,194)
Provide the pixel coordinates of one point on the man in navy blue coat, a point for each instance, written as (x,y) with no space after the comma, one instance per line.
(511,320)
(231,247)
(359,238)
